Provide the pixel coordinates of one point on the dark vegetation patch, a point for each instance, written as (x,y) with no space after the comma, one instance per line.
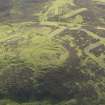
(17,82)
(20,83)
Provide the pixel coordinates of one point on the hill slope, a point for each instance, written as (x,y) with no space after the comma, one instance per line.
(57,58)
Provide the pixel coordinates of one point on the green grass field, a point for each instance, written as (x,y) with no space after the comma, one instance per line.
(55,55)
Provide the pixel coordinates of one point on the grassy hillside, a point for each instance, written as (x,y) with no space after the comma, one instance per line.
(56,59)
